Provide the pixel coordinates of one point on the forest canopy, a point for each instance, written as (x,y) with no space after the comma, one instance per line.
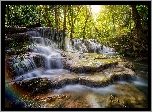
(123,27)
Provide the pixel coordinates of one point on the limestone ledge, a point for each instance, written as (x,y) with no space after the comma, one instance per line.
(95,80)
(92,62)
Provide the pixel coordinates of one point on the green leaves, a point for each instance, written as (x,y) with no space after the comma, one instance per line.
(111,21)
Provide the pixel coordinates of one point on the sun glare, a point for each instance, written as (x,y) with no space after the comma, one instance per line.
(95,8)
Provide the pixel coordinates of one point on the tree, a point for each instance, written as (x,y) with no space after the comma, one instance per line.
(86,20)
(56,17)
(64,22)
(137,21)
(120,26)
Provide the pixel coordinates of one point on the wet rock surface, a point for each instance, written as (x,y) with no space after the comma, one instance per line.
(11,30)
(99,79)
(86,63)
(111,71)
(132,98)
(91,82)
(127,96)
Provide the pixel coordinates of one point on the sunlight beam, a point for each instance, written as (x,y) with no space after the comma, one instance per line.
(95,8)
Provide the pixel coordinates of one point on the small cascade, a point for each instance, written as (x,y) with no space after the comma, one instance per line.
(107,50)
(50,58)
(87,46)
(56,36)
(33,33)
(23,66)
(95,47)
(56,61)
(95,80)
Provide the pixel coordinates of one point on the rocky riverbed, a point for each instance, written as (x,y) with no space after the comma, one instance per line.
(47,78)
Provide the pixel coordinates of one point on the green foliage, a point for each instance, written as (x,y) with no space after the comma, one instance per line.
(143,12)
(112,22)
(20,15)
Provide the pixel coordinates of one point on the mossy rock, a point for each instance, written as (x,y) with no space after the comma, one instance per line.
(17,38)
(98,79)
(91,62)
(127,99)
(36,85)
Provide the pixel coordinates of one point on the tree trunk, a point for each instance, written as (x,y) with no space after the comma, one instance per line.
(136,19)
(64,22)
(49,24)
(139,41)
(86,19)
(113,21)
(72,19)
(72,24)
(9,20)
(56,16)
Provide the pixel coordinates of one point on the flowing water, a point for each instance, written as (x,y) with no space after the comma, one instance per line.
(142,71)
(53,68)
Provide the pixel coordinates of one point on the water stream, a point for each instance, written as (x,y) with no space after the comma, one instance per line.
(142,71)
(53,68)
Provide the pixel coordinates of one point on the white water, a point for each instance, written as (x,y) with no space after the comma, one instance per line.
(80,88)
(27,69)
(24,66)
(107,50)
(85,46)
(50,57)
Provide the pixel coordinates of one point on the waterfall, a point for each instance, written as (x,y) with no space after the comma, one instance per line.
(33,33)
(45,48)
(52,59)
(107,49)
(68,44)
(87,46)
(23,66)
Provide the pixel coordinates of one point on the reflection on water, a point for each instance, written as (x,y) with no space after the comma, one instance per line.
(142,72)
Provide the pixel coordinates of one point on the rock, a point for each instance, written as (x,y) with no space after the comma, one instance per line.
(18,38)
(11,30)
(9,72)
(39,61)
(17,44)
(128,99)
(36,85)
(127,64)
(98,79)
(89,63)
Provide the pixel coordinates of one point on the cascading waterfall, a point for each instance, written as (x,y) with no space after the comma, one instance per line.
(64,81)
(23,66)
(87,46)
(52,59)
(107,49)
(34,33)
(49,57)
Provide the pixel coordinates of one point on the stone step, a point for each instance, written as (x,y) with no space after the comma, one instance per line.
(95,80)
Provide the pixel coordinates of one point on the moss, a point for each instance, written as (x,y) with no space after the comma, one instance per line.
(95,63)
(98,77)
(95,56)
